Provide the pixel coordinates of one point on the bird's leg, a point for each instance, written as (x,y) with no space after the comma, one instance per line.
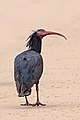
(38,102)
(27,103)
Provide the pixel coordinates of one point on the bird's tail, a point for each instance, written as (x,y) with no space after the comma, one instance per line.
(22,89)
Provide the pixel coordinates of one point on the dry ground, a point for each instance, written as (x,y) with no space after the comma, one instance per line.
(60,83)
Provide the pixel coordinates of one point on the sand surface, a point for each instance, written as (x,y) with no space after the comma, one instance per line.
(60,83)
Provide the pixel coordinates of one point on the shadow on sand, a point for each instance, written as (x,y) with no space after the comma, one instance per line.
(48,106)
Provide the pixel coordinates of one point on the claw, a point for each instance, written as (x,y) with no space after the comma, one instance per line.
(38,103)
(26,104)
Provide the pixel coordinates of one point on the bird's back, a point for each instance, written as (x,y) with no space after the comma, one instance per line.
(28,68)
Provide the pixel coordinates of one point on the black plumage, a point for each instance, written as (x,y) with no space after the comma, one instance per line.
(34,42)
(28,65)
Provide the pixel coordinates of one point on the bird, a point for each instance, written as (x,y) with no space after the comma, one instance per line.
(28,66)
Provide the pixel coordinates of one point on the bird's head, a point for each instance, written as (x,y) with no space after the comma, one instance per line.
(34,40)
(42,33)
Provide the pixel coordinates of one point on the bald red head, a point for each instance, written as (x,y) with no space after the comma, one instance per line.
(42,33)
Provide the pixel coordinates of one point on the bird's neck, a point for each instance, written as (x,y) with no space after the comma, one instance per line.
(36,44)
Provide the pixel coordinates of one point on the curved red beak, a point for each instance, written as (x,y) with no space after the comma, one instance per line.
(51,33)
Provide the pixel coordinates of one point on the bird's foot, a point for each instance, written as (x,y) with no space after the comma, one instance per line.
(38,103)
(27,104)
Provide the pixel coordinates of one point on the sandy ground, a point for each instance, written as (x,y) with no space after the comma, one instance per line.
(60,83)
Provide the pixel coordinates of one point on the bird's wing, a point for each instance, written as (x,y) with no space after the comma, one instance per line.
(28,68)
